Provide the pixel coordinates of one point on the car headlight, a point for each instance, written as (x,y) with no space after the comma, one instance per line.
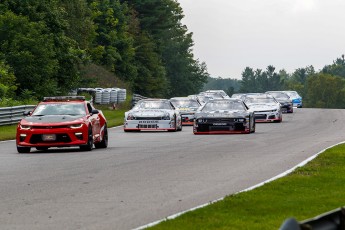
(166,116)
(25,127)
(76,126)
(130,117)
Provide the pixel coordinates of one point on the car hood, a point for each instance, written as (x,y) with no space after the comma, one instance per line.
(52,119)
(187,109)
(150,112)
(258,107)
(223,113)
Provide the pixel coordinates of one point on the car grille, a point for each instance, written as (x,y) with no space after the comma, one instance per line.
(37,138)
(221,124)
(147,126)
(50,127)
(260,116)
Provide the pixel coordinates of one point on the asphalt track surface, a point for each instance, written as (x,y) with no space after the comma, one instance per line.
(147,176)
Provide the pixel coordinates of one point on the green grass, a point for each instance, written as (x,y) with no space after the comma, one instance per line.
(114,118)
(311,190)
(8,132)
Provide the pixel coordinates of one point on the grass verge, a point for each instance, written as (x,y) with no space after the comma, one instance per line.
(311,190)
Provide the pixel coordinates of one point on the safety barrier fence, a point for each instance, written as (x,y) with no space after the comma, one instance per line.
(11,115)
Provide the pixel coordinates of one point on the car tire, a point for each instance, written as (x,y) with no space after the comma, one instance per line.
(175,128)
(254,125)
(104,142)
(180,128)
(23,149)
(89,145)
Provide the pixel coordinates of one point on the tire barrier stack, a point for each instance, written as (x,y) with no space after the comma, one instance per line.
(11,115)
(106,95)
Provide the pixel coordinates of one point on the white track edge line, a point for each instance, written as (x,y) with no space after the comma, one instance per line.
(245,190)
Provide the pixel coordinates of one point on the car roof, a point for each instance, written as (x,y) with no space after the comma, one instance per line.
(64,99)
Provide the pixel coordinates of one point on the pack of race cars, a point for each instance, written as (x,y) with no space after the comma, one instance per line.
(213,112)
(72,121)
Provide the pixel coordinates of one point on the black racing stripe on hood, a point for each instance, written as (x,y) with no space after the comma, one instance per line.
(52,118)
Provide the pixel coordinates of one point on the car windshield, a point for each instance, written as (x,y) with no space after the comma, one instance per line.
(185,103)
(279,95)
(293,94)
(153,105)
(253,100)
(223,105)
(60,109)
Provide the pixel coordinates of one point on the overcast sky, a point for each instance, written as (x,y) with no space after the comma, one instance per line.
(230,35)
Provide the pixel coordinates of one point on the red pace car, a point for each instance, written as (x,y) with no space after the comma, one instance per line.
(64,121)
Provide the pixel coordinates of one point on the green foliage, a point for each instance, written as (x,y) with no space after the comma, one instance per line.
(161,21)
(7,81)
(48,45)
(337,68)
(259,81)
(30,52)
(326,91)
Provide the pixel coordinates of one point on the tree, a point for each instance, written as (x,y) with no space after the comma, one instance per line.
(113,45)
(62,53)
(7,81)
(161,21)
(326,91)
(30,52)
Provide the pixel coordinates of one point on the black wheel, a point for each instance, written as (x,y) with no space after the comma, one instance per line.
(23,149)
(253,130)
(104,142)
(42,148)
(180,128)
(88,146)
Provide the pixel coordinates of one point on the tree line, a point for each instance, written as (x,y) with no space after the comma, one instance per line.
(319,89)
(52,47)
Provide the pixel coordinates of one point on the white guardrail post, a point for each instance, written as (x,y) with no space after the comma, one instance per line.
(11,115)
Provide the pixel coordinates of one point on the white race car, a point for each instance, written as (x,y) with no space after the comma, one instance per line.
(153,114)
(265,107)
(187,107)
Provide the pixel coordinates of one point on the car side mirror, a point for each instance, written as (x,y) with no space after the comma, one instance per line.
(95,111)
(27,113)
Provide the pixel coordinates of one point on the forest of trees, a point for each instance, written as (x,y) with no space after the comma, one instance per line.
(323,89)
(51,47)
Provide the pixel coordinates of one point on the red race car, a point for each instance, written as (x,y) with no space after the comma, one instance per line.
(62,122)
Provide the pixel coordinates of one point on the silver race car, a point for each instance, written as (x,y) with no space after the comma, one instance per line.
(153,114)
(265,107)
(223,116)
(187,107)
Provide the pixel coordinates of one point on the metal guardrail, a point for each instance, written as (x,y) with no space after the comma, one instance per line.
(11,115)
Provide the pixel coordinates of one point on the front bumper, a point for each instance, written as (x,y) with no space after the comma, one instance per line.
(267,116)
(221,126)
(137,125)
(53,137)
